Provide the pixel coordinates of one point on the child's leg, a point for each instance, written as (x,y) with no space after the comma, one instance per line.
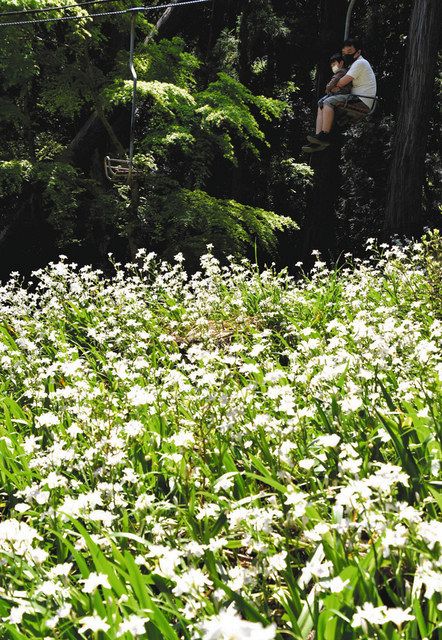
(327,118)
(319,119)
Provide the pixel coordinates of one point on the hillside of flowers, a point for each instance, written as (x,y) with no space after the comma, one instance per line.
(234,454)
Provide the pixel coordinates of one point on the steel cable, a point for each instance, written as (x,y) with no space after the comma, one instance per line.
(24,12)
(17,23)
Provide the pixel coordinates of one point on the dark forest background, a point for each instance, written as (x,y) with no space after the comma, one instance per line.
(227,94)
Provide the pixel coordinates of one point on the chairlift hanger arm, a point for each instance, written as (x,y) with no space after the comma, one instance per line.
(134,91)
(348,19)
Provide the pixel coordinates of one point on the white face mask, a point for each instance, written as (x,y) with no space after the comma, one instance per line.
(335,68)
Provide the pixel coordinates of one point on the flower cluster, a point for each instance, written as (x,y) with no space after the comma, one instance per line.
(226,455)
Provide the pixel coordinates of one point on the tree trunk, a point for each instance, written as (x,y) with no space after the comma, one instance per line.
(244,70)
(319,230)
(161,21)
(403,213)
(331,28)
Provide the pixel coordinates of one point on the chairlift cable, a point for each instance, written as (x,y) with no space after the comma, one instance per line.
(120,12)
(24,12)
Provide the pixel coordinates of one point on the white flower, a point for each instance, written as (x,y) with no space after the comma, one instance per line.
(16,536)
(225,482)
(383,435)
(183,438)
(71,368)
(216,544)
(430,577)
(316,534)
(99,515)
(168,563)
(144,501)
(368,614)
(315,568)
(398,616)
(209,510)
(238,577)
(93,623)
(408,513)
(38,555)
(387,476)
(307,463)
(297,500)
(424,349)
(256,350)
(396,537)
(331,440)
(16,613)
(277,562)
(431,533)
(193,581)
(133,428)
(336,585)
(351,403)
(228,625)
(121,371)
(95,580)
(60,570)
(138,396)
(21,507)
(48,419)
(49,588)
(134,625)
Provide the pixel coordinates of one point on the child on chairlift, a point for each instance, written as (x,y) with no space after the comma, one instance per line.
(339,71)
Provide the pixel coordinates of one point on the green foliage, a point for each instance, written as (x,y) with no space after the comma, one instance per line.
(61,192)
(224,104)
(9,112)
(221,115)
(226,114)
(191,219)
(296,174)
(432,259)
(13,174)
(53,78)
(67,87)
(169,98)
(168,61)
(184,131)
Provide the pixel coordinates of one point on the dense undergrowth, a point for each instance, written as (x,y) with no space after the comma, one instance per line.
(233,454)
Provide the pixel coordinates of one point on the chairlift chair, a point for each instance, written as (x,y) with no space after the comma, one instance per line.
(118,168)
(350,112)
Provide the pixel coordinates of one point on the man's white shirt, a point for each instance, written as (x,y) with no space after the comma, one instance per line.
(364,80)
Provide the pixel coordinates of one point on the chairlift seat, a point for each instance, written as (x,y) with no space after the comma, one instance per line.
(350,111)
(119,169)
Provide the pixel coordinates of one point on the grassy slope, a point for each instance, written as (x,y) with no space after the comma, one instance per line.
(173,445)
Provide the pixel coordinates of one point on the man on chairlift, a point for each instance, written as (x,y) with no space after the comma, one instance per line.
(363,90)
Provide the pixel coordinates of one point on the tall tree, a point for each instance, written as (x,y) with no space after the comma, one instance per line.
(403,213)
(319,230)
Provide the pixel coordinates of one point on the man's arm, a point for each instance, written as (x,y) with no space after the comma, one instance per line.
(342,82)
(334,81)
